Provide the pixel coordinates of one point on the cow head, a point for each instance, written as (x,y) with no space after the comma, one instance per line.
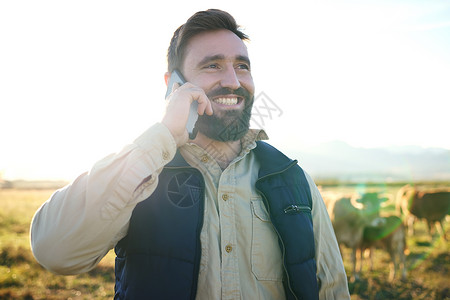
(370,203)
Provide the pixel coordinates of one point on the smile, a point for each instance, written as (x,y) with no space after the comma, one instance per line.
(226,101)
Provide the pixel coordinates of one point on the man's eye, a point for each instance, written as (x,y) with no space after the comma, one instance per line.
(243,67)
(212,66)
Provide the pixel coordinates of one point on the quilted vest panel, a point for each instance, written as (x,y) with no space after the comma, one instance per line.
(159,257)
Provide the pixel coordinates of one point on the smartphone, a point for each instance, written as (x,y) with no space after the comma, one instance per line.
(177,77)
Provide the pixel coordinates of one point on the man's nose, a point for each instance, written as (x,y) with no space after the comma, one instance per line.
(230,79)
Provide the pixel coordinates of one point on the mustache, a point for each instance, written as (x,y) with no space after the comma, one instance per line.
(227,91)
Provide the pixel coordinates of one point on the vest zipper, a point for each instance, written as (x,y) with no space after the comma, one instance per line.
(276,230)
(295,209)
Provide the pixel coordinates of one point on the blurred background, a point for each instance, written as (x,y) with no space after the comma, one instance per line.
(357,91)
(349,88)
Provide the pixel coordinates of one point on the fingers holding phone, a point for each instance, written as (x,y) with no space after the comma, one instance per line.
(184,104)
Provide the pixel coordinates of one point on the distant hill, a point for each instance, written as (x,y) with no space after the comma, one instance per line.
(339,160)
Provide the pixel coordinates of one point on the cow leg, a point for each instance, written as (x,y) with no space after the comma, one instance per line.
(392,270)
(359,260)
(441,230)
(402,259)
(397,251)
(410,224)
(401,254)
(371,250)
(393,265)
(355,274)
(430,225)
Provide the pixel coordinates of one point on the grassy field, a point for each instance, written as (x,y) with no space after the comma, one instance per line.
(21,277)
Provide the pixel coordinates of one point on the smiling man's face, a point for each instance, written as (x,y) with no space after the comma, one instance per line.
(217,61)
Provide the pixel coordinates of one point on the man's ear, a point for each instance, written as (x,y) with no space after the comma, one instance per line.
(167,77)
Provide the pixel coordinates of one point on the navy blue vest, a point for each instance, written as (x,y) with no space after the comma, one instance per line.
(160,256)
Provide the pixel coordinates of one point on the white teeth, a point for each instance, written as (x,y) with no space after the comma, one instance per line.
(226,101)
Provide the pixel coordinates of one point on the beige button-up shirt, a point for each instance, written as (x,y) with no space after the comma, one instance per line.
(240,258)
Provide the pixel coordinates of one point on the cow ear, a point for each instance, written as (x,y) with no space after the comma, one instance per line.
(355,200)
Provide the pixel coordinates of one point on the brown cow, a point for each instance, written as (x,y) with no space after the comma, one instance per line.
(387,233)
(432,205)
(349,215)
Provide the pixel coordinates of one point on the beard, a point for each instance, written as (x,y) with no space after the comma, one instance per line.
(232,125)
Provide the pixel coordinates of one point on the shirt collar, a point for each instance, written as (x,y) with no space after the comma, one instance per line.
(248,143)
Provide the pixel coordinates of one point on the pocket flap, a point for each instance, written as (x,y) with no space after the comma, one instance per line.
(259,210)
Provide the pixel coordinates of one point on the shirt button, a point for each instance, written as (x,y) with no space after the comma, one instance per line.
(165,155)
(204,158)
(228,248)
(225,197)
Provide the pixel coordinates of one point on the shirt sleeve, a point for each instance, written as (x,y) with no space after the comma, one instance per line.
(330,267)
(79,224)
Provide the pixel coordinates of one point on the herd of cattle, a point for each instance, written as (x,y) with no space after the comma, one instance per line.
(360,223)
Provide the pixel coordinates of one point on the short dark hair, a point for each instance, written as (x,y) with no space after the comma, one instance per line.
(211,19)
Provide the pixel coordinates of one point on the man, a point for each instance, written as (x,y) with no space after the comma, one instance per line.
(221,216)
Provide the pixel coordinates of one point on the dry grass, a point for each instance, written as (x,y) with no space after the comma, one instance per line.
(21,277)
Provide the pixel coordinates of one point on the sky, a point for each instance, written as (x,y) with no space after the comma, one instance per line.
(81,79)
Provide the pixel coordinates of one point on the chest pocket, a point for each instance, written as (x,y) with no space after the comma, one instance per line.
(266,257)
